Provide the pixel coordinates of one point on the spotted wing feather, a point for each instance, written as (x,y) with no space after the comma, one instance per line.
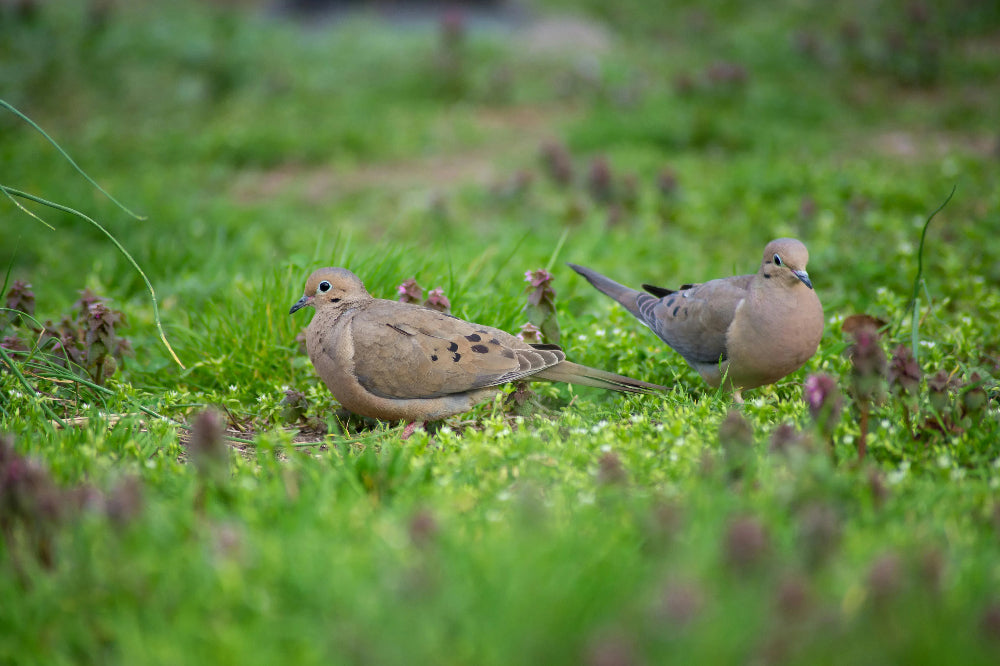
(407,351)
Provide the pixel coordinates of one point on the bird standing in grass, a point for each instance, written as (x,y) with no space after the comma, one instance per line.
(746,330)
(398,361)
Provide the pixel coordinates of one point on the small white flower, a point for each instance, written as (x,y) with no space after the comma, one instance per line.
(232,388)
(899,474)
(599,426)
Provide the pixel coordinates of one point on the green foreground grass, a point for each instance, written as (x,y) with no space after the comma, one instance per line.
(590,528)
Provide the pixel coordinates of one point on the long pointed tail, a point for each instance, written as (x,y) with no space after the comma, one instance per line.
(627,297)
(574,373)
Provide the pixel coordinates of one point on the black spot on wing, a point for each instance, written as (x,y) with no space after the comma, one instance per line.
(452,347)
(674,312)
(456,357)
(434,357)
(399,330)
(473,338)
(480,349)
(494,341)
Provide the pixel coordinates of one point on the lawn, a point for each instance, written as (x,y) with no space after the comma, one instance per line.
(178,486)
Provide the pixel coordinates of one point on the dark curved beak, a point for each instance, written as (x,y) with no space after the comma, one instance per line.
(299,304)
(802,275)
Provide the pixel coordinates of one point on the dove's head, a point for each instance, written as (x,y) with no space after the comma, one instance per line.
(785,260)
(331,287)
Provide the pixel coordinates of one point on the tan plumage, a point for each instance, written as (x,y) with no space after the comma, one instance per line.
(397,361)
(751,329)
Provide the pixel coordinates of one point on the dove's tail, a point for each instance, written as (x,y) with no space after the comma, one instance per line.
(627,297)
(574,373)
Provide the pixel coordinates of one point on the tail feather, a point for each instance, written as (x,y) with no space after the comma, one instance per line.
(624,295)
(574,373)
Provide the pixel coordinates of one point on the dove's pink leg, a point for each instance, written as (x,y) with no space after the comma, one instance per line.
(408,430)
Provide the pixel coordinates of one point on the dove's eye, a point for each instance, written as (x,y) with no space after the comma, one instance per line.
(777,260)
(324,286)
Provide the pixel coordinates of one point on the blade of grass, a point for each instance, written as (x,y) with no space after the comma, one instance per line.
(913,309)
(66,375)
(69,159)
(28,387)
(149,287)
(555,252)
(10,269)
(25,210)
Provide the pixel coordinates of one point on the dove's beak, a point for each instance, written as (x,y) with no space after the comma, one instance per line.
(802,275)
(304,301)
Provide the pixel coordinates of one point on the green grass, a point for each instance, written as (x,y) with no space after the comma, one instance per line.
(592,528)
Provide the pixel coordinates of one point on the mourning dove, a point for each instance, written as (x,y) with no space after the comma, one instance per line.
(399,361)
(749,329)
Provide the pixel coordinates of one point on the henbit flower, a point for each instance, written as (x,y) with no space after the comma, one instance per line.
(558,162)
(746,543)
(610,470)
(436,300)
(939,388)
(21,298)
(904,372)
(410,291)
(530,334)
(823,398)
(541,290)
(600,180)
(868,363)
